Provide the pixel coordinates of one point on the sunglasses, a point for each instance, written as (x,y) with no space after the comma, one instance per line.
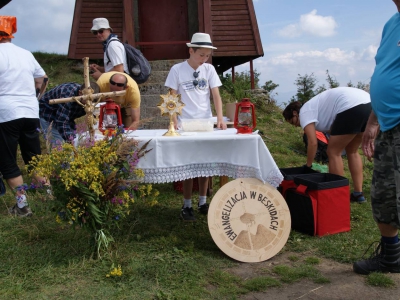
(95,32)
(117,84)
(195,75)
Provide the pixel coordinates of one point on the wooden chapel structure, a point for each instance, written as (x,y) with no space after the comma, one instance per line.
(161,28)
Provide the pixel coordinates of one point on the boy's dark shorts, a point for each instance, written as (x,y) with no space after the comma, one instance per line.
(23,132)
(351,121)
(385,188)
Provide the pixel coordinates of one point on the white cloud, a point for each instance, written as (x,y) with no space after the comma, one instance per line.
(335,55)
(283,69)
(290,31)
(311,24)
(39,29)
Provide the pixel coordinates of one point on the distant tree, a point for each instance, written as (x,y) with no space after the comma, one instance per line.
(360,85)
(320,89)
(237,90)
(269,86)
(333,83)
(305,85)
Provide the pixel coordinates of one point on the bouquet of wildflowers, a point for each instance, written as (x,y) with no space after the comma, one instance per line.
(94,184)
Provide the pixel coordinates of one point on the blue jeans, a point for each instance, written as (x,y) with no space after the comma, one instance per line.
(55,136)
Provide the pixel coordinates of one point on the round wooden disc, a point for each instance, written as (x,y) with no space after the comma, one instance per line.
(248,220)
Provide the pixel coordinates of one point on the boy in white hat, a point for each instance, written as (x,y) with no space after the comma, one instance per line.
(196,80)
(116,60)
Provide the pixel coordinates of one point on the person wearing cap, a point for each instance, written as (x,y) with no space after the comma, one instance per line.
(195,80)
(20,75)
(116,60)
(130,102)
(62,116)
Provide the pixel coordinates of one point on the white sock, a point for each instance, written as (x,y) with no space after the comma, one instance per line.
(202,200)
(21,201)
(187,203)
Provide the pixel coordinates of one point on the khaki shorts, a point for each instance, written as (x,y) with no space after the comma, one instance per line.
(385,189)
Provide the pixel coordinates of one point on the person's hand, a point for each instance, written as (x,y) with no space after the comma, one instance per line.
(368,140)
(96,74)
(133,126)
(93,67)
(221,125)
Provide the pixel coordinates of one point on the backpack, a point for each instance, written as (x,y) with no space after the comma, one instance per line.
(138,66)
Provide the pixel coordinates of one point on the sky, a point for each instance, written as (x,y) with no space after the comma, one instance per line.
(299,37)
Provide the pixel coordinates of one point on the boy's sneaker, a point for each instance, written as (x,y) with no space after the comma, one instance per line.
(203,209)
(20,212)
(359,198)
(187,214)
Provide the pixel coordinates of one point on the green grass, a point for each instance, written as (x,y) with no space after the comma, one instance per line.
(381,280)
(162,258)
(288,274)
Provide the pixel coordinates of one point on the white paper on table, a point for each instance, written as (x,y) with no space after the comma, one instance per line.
(225,119)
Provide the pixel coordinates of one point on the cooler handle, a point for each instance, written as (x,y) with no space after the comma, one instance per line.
(301,189)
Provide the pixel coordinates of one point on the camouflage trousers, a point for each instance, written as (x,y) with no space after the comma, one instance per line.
(385,189)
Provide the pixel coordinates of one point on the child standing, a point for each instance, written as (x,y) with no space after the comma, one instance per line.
(195,80)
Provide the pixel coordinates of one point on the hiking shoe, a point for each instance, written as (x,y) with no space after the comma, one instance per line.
(385,258)
(187,214)
(203,209)
(359,198)
(20,212)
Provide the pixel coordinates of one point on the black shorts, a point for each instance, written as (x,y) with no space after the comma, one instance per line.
(351,121)
(23,132)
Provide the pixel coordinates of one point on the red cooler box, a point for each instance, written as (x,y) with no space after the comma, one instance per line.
(288,177)
(319,204)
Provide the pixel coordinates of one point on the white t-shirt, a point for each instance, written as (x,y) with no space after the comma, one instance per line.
(18,68)
(323,108)
(196,99)
(117,55)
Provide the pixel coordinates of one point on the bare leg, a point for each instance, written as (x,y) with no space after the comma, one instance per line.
(351,143)
(187,188)
(203,186)
(355,162)
(387,230)
(14,182)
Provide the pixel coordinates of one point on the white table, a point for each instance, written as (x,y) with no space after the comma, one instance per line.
(199,154)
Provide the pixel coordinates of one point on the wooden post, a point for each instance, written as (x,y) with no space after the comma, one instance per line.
(252,74)
(86,97)
(87,90)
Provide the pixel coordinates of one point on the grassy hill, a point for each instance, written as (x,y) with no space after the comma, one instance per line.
(160,257)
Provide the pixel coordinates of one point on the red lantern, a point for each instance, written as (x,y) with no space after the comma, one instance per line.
(245,118)
(110,117)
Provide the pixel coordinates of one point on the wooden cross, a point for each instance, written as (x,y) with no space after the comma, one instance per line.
(88,100)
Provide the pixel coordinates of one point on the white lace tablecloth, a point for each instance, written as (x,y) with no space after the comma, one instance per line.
(215,153)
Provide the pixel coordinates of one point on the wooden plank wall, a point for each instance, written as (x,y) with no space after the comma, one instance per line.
(82,42)
(234,28)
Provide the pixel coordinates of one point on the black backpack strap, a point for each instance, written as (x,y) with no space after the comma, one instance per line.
(112,39)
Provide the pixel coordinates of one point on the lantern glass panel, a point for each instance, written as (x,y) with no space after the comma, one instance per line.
(110,121)
(245,117)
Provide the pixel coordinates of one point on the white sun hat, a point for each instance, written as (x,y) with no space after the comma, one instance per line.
(100,23)
(201,40)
